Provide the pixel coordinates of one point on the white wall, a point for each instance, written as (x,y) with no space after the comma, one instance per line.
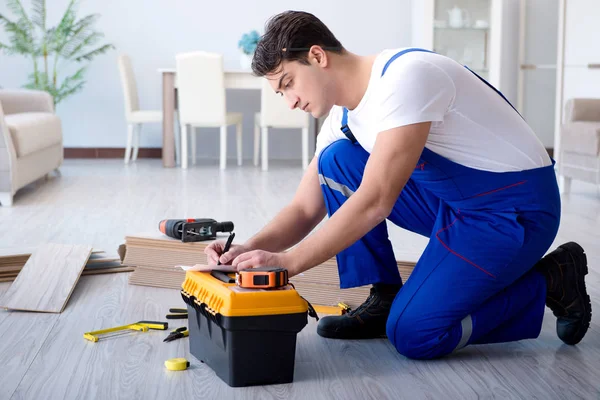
(153,31)
(510,53)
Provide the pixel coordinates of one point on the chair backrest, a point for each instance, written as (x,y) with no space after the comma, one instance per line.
(275,112)
(129,85)
(201,88)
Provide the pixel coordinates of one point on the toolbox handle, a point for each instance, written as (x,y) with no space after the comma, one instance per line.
(222,276)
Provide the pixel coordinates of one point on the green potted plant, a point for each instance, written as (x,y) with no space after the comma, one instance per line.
(247,45)
(73,41)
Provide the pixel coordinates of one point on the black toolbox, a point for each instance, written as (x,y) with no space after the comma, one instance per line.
(247,336)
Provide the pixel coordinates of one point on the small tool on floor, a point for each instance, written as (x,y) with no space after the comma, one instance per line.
(345,307)
(177,334)
(177,364)
(194,229)
(178,313)
(141,326)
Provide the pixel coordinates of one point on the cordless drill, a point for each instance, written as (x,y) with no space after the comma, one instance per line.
(194,229)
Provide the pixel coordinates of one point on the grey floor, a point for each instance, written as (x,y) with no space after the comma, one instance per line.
(44,356)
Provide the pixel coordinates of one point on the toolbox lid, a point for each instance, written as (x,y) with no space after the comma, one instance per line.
(230,300)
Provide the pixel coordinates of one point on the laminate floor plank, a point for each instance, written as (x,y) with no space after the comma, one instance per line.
(47,280)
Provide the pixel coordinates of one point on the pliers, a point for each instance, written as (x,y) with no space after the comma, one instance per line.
(180,313)
(177,334)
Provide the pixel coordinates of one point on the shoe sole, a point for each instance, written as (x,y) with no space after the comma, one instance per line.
(578,254)
(337,335)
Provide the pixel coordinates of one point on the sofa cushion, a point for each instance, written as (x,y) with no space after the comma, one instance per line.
(581,137)
(33,131)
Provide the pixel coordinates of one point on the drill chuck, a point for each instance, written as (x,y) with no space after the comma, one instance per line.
(225,226)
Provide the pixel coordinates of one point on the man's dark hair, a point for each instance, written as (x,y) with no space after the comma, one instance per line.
(289,36)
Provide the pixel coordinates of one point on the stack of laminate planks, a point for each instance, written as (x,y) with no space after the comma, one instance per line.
(156,256)
(12,261)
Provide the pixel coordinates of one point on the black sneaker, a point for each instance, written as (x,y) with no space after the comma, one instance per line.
(365,322)
(565,269)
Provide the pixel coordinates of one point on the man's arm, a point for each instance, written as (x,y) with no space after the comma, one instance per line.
(297,219)
(392,161)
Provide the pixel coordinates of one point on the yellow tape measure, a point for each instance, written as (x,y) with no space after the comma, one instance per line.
(177,364)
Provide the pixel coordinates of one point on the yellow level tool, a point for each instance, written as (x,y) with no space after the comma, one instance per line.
(141,326)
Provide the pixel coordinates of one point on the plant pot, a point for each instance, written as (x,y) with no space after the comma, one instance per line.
(245,60)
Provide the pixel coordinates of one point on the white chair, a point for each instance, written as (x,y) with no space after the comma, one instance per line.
(134,116)
(202,102)
(275,113)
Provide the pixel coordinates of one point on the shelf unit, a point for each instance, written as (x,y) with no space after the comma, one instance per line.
(486,41)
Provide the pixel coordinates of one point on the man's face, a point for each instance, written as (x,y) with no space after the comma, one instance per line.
(307,87)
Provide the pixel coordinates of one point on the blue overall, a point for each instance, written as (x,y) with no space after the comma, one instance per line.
(474,282)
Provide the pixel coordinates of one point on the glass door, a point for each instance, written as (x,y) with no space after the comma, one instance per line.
(537,70)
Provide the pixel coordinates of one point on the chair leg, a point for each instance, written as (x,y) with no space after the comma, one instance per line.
(256,143)
(130,129)
(238,133)
(136,141)
(193,143)
(265,148)
(566,185)
(177,140)
(304,148)
(6,199)
(184,146)
(223,145)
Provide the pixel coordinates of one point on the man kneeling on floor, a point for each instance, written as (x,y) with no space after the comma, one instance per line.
(418,139)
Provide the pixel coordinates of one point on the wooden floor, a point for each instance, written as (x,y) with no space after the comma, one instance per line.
(44,356)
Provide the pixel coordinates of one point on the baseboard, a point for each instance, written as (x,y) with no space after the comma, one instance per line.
(109,152)
(143,152)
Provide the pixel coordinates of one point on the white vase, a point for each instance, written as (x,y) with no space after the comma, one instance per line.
(245,60)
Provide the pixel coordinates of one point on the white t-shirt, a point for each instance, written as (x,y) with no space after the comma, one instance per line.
(472,124)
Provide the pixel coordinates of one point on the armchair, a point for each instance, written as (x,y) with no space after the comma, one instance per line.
(31,143)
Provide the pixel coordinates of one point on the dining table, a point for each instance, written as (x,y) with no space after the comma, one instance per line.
(233,79)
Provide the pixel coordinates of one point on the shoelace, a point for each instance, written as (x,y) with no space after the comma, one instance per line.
(364,305)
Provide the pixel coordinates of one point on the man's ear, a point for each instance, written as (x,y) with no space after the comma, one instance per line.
(317,55)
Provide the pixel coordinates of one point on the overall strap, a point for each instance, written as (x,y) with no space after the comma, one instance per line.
(345,129)
(496,90)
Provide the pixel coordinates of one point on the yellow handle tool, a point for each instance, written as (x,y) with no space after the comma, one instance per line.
(156,325)
(141,326)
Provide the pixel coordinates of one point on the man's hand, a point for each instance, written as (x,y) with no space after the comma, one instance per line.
(261,258)
(214,252)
